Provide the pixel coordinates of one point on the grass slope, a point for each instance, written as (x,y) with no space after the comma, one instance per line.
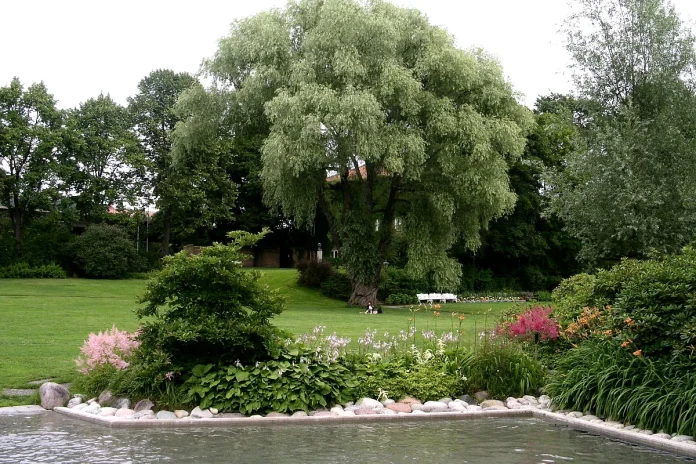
(44,322)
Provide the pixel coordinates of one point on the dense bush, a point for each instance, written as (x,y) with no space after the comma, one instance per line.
(503,369)
(396,280)
(399,378)
(338,286)
(650,302)
(293,382)
(610,380)
(205,309)
(313,273)
(105,252)
(401,299)
(25,271)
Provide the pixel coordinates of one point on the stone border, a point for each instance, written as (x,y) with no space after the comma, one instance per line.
(607,431)
(687,449)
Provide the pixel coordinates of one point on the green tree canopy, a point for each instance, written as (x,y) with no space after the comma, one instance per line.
(413,128)
(30,135)
(630,186)
(155,118)
(108,165)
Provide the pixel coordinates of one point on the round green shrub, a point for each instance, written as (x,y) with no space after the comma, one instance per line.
(338,286)
(104,252)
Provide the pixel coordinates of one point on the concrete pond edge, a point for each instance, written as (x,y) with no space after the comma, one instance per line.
(686,449)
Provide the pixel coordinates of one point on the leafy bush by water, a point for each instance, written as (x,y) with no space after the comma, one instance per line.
(293,382)
(607,379)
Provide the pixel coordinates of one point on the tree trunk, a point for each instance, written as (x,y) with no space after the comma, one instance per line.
(363,294)
(17,223)
(166,232)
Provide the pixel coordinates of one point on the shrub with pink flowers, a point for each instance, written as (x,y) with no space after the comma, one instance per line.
(534,323)
(111,347)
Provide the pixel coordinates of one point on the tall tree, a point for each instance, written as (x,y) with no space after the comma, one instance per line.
(155,119)
(630,187)
(410,125)
(30,134)
(108,162)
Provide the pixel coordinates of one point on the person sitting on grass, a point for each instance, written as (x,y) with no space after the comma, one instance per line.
(370,308)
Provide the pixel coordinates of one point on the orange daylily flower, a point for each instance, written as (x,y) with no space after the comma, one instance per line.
(626,343)
(436,313)
(461,318)
(638,353)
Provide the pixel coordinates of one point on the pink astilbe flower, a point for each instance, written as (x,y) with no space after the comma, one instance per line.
(534,321)
(110,347)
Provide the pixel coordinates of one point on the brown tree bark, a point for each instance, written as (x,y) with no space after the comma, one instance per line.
(166,232)
(363,294)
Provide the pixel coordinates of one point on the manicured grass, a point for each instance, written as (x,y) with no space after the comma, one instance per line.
(44,322)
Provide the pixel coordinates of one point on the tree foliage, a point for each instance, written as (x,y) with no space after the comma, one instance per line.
(30,135)
(206,309)
(630,186)
(413,128)
(155,118)
(104,252)
(103,159)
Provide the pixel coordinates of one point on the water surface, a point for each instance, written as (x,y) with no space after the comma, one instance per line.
(49,437)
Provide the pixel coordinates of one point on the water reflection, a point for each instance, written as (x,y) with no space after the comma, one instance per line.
(52,438)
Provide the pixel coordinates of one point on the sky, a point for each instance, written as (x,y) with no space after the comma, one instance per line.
(81,48)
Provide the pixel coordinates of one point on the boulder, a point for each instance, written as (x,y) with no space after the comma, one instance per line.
(575,414)
(467,399)
(434,406)
(180,413)
(120,403)
(92,408)
(124,412)
(144,414)
(480,396)
(53,395)
(364,411)
(369,403)
(74,402)
(399,407)
(445,400)
(143,405)
(299,414)
(166,415)
(490,404)
(199,413)
(106,398)
(410,401)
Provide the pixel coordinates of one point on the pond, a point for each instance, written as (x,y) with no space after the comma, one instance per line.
(49,437)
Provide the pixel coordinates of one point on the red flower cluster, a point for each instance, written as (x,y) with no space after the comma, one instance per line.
(535,320)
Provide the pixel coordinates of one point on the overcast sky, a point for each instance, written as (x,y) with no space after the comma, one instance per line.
(80,48)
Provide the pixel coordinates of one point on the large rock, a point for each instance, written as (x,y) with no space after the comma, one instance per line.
(364,411)
(467,399)
(480,396)
(108,411)
(120,403)
(434,406)
(106,398)
(180,413)
(399,407)
(299,414)
(53,395)
(74,402)
(124,412)
(410,401)
(166,415)
(369,403)
(199,413)
(493,404)
(143,405)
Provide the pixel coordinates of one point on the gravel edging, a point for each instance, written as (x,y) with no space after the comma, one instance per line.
(111,421)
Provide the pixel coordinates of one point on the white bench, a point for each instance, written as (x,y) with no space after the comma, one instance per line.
(436,297)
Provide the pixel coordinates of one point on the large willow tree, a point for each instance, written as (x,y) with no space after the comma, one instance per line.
(413,130)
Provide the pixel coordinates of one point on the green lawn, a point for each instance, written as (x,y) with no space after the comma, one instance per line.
(44,322)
